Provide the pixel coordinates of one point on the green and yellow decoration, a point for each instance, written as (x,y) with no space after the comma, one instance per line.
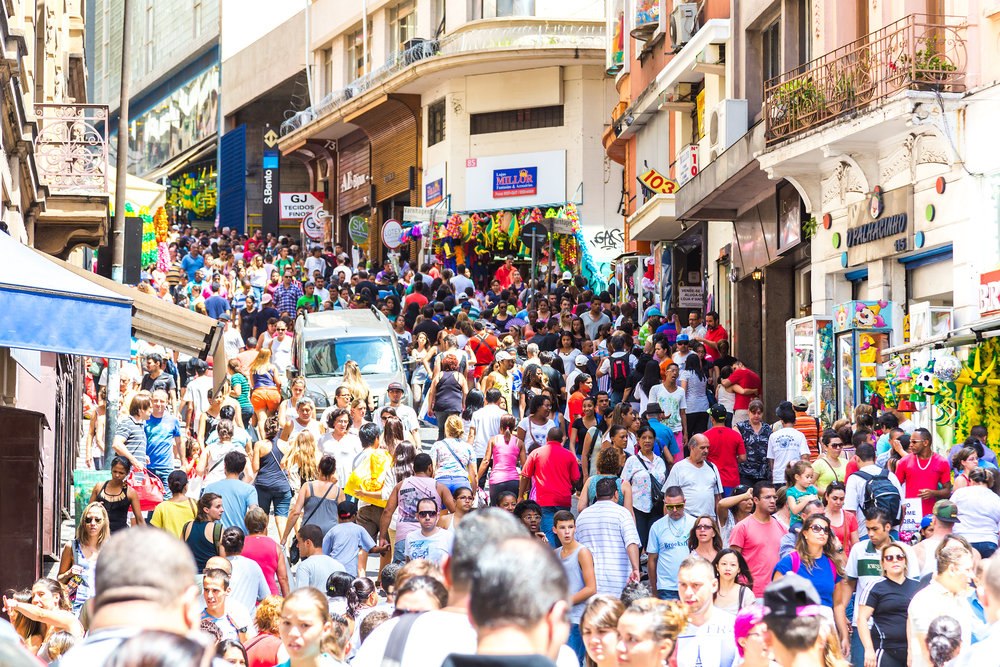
(194,192)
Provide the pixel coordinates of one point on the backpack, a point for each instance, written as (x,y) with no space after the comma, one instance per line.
(619,372)
(881,493)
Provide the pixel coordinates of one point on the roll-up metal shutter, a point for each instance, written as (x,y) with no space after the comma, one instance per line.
(232,179)
(391,126)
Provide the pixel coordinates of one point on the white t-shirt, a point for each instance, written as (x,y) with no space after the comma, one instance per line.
(281,352)
(486,421)
(854,494)
(314,264)
(785,446)
(343,451)
(978,513)
(712,643)
(434,548)
(345,274)
(535,435)
(700,485)
(671,402)
(406,414)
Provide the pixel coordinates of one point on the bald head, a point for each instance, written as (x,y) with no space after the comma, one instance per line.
(219,563)
(167,568)
(698,447)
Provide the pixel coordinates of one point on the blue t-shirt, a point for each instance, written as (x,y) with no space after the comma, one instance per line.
(216,305)
(237,498)
(160,434)
(823,576)
(192,264)
(343,541)
(669,540)
(664,436)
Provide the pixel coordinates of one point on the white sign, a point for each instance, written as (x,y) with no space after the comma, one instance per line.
(392,234)
(314,224)
(351,181)
(545,175)
(560,225)
(416,214)
(689,297)
(912,514)
(687,164)
(297,205)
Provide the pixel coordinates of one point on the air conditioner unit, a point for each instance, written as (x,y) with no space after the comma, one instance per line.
(683,24)
(727,122)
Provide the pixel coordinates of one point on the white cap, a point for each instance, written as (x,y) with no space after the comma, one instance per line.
(503,356)
(567,275)
(581,360)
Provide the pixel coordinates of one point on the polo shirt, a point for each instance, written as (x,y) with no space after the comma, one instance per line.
(607,529)
(553,469)
(135,437)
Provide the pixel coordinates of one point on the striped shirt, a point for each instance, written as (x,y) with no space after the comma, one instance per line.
(607,528)
(809,427)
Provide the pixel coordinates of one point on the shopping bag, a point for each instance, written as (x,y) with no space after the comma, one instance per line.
(148,487)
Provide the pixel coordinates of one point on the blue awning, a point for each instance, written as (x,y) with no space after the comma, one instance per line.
(45,307)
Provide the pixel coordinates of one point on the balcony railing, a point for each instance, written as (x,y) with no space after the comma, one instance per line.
(489,36)
(71,148)
(917,52)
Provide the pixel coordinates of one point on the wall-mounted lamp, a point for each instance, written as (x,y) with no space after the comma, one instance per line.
(758,274)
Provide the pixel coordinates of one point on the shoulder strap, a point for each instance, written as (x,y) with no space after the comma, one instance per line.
(306,520)
(191,505)
(393,656)
(867,476)
(743,592)
(216,534)
(457,458)
(796,561)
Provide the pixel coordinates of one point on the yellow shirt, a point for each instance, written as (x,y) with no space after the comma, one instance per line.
(827,474)
(171,516)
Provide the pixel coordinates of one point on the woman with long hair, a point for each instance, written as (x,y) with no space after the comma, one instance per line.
(599,630)
(264,551)
(583,384)
(309,633)
(393,434)
(118,497)
(648,631)
(358,412)
(421,353)
(265,648)
(266,380)
(274,490)
(533,383)
(506,452)
(886,606)
(354,381)
(534,429)
(579,330)
(240,390)
(623,415)
(209,418)
(609,466)
(448,390)
(288,409)
(29,630)
(815,557)
(963,462)
(79,555)
(474,400)
(705,538)
(317,499)
(49,606)
(735,581)
(568,349)
(585,421)
(454,458)
(204,535)
(844,524)
(694,381)
(302,461)
(651,377)
(755,433)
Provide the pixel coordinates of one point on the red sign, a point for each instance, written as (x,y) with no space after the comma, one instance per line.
(989,293)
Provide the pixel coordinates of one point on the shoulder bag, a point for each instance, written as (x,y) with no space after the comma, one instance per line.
(655,490)
(293,550)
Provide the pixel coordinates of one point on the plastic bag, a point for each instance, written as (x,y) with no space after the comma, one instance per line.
(148,487)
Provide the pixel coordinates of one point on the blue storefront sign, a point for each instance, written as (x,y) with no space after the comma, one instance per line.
(434,192)
(515,182)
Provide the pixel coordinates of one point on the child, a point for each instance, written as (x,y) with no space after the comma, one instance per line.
(725,396)
(801,491)
(312,637)
(347,542)
(579,565)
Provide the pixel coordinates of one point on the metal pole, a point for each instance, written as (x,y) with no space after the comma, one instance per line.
(534,292)
(118,233)
(309,78)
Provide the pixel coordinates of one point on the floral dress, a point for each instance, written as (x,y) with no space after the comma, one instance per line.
(756,446)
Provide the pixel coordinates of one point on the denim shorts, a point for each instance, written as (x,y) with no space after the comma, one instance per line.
(280,498)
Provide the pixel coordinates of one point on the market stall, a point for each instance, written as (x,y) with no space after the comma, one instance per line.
(862,330)
(812,365)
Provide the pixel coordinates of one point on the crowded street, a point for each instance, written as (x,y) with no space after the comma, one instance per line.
(500,333)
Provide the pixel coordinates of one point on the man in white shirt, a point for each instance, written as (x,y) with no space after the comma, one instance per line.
(486,423)
(695,328)
(708,639)
(196,394)
(608,530)
(698,478)
(315,263)
(315,567)
(946,595)
(321,291)
(281,347)
(459,281)
(786,445)
(231,338)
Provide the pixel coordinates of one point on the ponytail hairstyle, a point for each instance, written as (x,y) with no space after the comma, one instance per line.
(666,620)
(944,637)
(341,585)
(507,426)
(203,504)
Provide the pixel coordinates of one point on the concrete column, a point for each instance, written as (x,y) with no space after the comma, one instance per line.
(746,330)
(778,306)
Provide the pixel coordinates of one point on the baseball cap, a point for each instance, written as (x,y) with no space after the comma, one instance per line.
(581,360)
(503,355)
(683,338)
(395,385)
(224,317)
(267,299)
(346,509)
(567,275)
(945,510)
(926,521)
(790,597)
(718,412)
(800,403)
(462,296)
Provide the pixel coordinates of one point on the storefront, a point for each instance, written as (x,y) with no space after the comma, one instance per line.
(353,189)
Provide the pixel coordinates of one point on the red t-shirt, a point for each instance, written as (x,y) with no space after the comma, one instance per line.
(417,298)
(553,469)
(575,406)
(934,473)
(484,347)
(747,379)
(503,275)
(724,445)
(714,335)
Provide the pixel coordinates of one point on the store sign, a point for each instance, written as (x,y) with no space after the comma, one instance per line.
(658,183)
(314,224)
(515,182)
(880,226)
(687,164)
(434,192)
(297,205)
(690,296)
(989,293)
(357,227)
(351,181)
(270,210)
(392,234)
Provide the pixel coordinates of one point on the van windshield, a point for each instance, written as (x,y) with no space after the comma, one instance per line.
(325,357)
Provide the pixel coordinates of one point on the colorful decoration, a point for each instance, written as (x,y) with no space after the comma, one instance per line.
(194,192)
(874,315)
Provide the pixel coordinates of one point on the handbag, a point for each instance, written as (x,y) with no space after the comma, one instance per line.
(293,550)
(655,491)
(148,487)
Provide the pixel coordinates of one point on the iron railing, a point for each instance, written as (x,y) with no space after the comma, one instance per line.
(485,38)
(917,52)
(71,148)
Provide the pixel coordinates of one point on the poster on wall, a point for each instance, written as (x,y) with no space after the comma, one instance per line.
(435,185)
(515,180)
(616,35)
(789,217)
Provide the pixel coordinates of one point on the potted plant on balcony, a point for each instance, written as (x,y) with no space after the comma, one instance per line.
(797,103)
(930,68)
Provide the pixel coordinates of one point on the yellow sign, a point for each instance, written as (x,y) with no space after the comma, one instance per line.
(271,138)
(657,182)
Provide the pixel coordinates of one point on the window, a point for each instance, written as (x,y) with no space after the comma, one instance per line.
(402,25)
(770,49)
(518,119)
(438,18)
(805,31)
(435,122)
(356,55)
(196,17)
(327,71)
(483,9)
(149,37)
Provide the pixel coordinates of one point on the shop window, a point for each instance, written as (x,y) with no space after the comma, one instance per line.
(356,52)
(402,25)
(518,119)
(435,122)
(770,49)
(327,71)
(439,18)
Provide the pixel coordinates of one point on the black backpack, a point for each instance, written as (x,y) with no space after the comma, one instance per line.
(881,493)
(619,371)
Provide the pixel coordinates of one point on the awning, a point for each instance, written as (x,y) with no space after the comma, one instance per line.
(159,321)
(974,332)
(48,308)
(138,191)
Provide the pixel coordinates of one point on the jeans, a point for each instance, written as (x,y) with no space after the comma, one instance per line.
(163,473)
(857,648)
(546,527)
(99,462)
(441,418)
(615,397)
(667,595)
(454,483)
(274,496)
(985,549)
(575,641)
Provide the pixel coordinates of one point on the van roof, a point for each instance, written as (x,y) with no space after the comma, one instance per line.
(366,318)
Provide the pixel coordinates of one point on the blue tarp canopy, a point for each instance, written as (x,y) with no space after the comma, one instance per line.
(45,307)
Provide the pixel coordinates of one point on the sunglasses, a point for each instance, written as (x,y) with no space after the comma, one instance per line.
(93,519)
(888,558)
(819,528)
(704,527)
(675,507)
(427,514)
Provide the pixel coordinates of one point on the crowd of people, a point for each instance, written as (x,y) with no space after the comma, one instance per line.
(606,487)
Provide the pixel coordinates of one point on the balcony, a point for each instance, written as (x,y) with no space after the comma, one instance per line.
(489,35)
(915,53)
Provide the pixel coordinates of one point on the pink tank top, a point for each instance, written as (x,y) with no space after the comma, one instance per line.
(264,551)
(504,459)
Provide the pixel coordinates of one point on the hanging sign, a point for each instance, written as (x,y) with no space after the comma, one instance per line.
(687,164)
(314,223)
(357,227)
(392,234)
(690,296)
(658,183)
(297,205)
(270,211)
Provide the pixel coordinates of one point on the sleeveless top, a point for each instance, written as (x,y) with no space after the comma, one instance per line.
(211,423)
(326,515)
(297,428)
(505,455)
(270,474)
(574,573)
(262,550)
(117,507)
(930,555)
(411,490)
(262,650)
(592,488)
(448,396)
(263,380)
(201,548)
(85,589)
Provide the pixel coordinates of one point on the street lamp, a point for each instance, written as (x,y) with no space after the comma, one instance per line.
(758,274)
